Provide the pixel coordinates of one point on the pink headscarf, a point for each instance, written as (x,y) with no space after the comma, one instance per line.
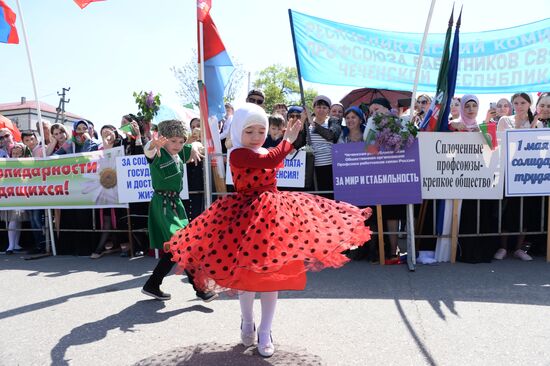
(470,122)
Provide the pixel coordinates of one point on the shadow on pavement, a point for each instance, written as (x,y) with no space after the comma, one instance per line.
(62,265)
(210,354)
(442,286)
(142,312)
(136,282)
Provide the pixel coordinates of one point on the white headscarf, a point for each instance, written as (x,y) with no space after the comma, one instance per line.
(469,122)
(248,115)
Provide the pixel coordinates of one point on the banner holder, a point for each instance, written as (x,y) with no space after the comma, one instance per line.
(40,127)
(548,233)
(380,225)
(454,230)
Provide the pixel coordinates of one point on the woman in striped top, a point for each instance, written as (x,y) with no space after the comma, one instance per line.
(323,134)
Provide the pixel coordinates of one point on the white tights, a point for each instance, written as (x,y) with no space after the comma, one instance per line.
(14,234)
(269,302)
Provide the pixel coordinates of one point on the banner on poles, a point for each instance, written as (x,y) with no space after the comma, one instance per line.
(86,180)
(386,178)
(498,61)
(459,165)
(528,162)
(134,179)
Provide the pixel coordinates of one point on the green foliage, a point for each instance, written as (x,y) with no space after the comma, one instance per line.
(280,85)
(148,104)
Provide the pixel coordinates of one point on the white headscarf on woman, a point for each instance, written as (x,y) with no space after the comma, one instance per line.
(469,122)
(248,115)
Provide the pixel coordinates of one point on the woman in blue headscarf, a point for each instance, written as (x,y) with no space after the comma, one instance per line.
(355,125)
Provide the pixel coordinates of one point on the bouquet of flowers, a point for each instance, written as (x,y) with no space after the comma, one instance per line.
(392,133)
(148,104)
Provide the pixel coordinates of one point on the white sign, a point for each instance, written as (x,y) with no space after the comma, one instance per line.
(459,165)
(134,180)
(292,175)
(528,162)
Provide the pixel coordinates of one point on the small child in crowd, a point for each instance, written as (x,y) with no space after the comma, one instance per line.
(277,127)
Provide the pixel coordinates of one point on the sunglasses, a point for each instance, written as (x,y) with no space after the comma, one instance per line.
(294,115)
(5,136)
(422,102)
(254,100)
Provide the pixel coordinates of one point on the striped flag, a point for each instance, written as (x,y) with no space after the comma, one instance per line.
(8,32)
(443,121)
(431,120)
(217,71)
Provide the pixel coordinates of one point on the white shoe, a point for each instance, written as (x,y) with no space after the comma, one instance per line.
(500,254)
(265,344)
(247,339)
(522,255)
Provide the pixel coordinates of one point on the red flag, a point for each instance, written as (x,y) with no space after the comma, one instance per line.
(85,3)
(8,32)
(489,131)
(203,9)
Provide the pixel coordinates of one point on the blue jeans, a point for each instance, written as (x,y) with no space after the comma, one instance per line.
(37,222)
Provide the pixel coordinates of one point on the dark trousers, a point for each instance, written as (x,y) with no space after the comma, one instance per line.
(37,222)
(323,174)
(162,269)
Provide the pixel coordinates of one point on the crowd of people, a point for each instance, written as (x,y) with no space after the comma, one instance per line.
(325,125)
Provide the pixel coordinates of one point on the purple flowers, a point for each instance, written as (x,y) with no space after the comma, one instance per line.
(150,99)
(392,134)
(148,104)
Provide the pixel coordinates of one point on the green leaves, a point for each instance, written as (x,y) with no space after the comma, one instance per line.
(148,104)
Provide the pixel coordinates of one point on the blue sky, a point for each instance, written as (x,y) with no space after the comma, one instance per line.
(115,47)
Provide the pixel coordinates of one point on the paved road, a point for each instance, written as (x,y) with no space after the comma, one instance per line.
(77,311)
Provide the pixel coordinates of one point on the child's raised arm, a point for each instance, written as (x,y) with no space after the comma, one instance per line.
(155,144)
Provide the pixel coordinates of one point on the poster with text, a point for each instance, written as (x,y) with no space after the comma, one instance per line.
(135,180)
(528,162)
(84,180)
(459,165)
(386,178)
(291,175)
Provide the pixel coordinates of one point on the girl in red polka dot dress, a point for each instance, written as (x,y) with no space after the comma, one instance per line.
(261,239)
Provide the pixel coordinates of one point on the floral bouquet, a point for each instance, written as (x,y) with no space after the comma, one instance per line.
(391,133)
(148,104)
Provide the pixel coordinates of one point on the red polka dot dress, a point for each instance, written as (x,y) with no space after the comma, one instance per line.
(262,239)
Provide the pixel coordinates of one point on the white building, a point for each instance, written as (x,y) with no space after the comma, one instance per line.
(24,115)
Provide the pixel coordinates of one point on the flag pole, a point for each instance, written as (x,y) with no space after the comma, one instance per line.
(298,71)
(420,56)
(411,248)
(206,164)
(41,128)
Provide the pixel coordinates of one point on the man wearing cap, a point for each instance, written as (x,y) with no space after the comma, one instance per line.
(256,96)
(323,133)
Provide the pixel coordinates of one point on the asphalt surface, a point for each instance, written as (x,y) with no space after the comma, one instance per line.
(77,311)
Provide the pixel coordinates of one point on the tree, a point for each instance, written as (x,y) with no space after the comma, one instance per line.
(187,77)
(280,85)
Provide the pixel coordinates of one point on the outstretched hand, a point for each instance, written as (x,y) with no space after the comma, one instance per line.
(293,129)
(157,142)
(197,153)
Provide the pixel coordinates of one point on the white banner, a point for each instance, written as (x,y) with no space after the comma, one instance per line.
(528,162)
(134,180)
(459,165)
(292,175)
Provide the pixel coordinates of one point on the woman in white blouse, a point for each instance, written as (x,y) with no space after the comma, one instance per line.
(522,119)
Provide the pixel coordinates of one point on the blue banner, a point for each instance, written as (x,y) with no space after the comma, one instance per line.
(500,61)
